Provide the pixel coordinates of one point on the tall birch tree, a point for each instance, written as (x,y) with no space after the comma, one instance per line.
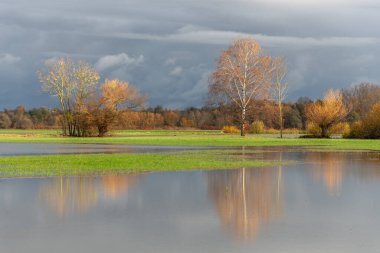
(242,75)
(279,88)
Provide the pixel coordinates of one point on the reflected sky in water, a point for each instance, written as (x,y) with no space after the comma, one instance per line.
(22,149)
(328,202)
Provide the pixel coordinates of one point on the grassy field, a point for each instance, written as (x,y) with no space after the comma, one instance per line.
(186,138)
(54,165)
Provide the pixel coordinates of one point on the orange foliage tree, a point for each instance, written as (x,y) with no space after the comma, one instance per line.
(327,112)
(104,109)
(369,127)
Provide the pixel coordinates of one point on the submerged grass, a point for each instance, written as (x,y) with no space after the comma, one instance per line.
(33,166)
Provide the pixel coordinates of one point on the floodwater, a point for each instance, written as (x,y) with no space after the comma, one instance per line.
(327,202)
(22,149)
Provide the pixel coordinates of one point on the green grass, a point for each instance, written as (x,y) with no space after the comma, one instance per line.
(33,166)
(166,132)
(191,138)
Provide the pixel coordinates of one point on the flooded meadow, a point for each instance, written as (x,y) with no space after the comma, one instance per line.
(327,201)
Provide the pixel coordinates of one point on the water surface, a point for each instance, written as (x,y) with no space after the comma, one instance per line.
(22,149)
(329,202)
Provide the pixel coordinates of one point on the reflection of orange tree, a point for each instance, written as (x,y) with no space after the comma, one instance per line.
(65,195)
(328,166)
(116,185)
(246,199)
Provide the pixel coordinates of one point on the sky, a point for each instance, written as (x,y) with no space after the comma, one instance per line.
(168,48)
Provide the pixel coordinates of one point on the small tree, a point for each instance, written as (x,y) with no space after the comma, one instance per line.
(71,82)
(279,88)
(328,112)
(242,75)
(115,95)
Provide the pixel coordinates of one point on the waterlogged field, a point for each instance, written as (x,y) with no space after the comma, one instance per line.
(326,201)
(187,191)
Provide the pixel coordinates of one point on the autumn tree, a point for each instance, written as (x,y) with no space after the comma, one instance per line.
(71,82)
(369,126)
(327,112)
(106,107)
(361,97)
(242,75)
(279,88)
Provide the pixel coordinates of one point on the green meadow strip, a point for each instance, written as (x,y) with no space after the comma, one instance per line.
(54,165)
(199,140)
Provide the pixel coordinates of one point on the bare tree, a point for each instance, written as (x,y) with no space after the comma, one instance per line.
(71,82)
(361,97)
(279,88)
(241,75)
(328,112)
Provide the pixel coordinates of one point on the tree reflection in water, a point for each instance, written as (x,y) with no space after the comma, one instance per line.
(246,199)
(332,167)
(68,195)
(115,186)
(65,195)
(328,167)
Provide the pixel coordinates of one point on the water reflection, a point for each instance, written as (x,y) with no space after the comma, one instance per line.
(275,209)
(329,168)
(68,195)
(246,199)
(115,186)
(332,167)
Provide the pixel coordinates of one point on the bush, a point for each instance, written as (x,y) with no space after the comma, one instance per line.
(257,127)
(313,129)
(342,128)
(356,131)
(284,131)
(230,130)
(24,122)
(5,121)
(369,127)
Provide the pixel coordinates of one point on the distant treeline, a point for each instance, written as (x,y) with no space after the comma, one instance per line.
(359,99)
(207,117)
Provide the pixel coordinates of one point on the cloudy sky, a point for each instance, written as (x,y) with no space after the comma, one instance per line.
(167,48)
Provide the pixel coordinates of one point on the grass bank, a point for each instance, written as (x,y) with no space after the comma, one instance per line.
(55,165)
(188,138)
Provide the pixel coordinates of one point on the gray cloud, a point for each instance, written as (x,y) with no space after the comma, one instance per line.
(177,71)
(110,61)
(167,47)
(8,59)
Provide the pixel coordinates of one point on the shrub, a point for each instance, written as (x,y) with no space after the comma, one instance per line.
(257,127)
(5,121)
(284,131)
(356,131)
(313,129)
(24,122)
(230,130)
(369,127)
(342,128)
(371,123)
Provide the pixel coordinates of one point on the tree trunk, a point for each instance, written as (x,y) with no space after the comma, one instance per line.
(242,129)
(324,132)
(281,119)
(102,130)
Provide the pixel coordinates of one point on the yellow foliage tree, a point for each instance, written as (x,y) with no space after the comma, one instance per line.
(327,112)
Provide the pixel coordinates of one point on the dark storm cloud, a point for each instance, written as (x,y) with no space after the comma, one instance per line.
(168,47)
